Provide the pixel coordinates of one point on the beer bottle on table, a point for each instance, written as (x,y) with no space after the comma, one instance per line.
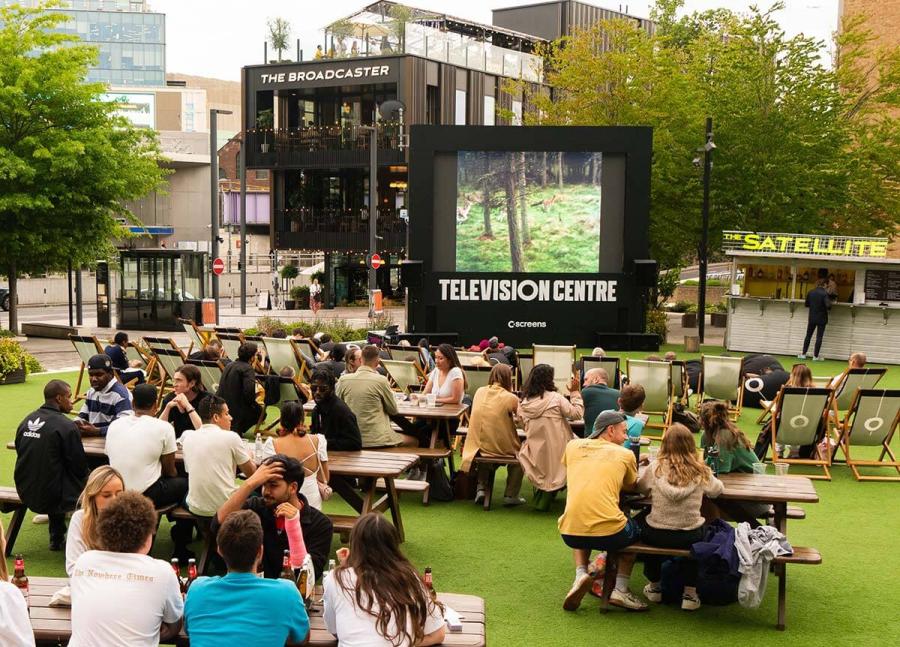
(176,566)
(287,573)
(192,574)
(302,581)
(20,580)
(428,581)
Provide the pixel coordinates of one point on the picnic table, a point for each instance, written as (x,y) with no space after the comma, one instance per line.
(776,491)
(53,625)
(367,466)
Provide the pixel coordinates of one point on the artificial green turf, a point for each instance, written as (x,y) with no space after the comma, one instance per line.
(515,560)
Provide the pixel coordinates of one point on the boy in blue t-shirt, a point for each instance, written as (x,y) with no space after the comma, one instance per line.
(241,608)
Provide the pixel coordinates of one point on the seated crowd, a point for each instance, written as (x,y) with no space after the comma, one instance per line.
(275,510)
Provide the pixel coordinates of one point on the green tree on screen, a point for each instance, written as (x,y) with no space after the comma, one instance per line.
(67,164)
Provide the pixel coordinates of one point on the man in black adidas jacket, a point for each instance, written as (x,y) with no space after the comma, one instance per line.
(51,467)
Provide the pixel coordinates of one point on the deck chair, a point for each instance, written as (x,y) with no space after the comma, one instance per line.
(86,347)
(284,353)
(476,377)
(610,364)
(526,363)
(210,373)
(135,351)
(680,381)
(230,343)
(871,422)
(561,358)
(801,412)
(308,350)
(169,359)
(851,380)
(402,373)
(656,378)
(193,334)
(288,391)
(407,354)
(469,358)
(720,379)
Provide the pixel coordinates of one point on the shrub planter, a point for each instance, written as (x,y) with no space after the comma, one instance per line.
(16,377)
(689,320)
(290,304)
(718,319)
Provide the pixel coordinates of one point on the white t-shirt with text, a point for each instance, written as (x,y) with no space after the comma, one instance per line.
(15,626)
(134,445)
(354,627)
(211,458)
(122,599)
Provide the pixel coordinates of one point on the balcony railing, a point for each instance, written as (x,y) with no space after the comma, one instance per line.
(337,229)
(323,145)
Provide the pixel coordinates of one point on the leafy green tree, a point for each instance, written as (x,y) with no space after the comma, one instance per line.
(279,35)
(67,164)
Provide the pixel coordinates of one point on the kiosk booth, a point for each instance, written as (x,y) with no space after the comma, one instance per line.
(159,286)
(766,311)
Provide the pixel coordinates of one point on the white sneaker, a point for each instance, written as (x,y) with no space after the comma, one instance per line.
(479,495)
(652,592)
(513,500)
(627,600)
(40,519)
(579,589)
(690,602)
(818,359)
(801,356)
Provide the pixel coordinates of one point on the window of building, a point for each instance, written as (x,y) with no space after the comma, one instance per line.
(489,111)
(460,108)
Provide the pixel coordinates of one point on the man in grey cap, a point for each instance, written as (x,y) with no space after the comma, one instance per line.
(106,400)
(598,469)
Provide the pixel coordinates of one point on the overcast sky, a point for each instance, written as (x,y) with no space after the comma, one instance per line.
(217,37)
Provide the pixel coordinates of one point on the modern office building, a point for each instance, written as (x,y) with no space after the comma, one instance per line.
(308,124)
(131,38)
(552,20)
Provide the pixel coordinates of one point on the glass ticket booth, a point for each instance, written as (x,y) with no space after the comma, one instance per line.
(159,286)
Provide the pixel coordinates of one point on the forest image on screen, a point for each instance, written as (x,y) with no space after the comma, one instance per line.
(528,211)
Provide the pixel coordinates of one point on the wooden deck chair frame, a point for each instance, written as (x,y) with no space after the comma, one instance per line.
(800,411)
(656,378)
(871,422)
(288,391)
(230,343)
(717,387)
(525,364)
(210,373)
(476,377)
(284,352)
(851,380)
(610,364)
(86,346)
(407,354)
(561,358)
(308,350)
(403,374)
(193,333)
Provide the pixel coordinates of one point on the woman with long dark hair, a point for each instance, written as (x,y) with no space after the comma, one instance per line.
(546,414)
(376,598)
(180,407)
(447,381)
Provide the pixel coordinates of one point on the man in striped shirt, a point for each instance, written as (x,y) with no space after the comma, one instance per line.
(106,400)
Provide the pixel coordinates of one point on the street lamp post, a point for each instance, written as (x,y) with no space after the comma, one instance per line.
(703,252)
(214,198)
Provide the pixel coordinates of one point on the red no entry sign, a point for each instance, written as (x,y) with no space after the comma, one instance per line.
(218,266)
(376,261)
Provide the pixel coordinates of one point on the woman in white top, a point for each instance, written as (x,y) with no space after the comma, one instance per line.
(15,625)
(310,449)
(103,485)
(447,381)
(376,598)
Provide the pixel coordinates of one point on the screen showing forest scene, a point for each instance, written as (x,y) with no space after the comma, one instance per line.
(528,211)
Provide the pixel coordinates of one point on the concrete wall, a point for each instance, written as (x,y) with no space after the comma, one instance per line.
(691,293)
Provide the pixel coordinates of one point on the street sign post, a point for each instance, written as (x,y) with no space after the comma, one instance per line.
(375,261)
(218,266)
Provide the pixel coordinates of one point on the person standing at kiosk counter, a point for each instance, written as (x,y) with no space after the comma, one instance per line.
(819,303)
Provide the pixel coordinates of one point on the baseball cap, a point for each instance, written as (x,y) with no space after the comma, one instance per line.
(100,362)
(604,420)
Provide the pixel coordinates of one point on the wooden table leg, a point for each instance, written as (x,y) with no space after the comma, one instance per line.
(780,519)
(781,571)
(12,531)
(393,503)
(346,491)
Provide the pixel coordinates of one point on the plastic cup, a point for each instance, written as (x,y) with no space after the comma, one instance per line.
(423,401)
(760,468)
(431,399)
(652,453)
(781,469)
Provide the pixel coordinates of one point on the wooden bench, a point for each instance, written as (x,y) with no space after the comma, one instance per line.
(10,502)
(492,463)
(424,454)
(407,485)
(209,538)
(343,523)
(800,556)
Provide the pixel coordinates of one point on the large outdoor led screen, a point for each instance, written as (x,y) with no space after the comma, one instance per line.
(528,211)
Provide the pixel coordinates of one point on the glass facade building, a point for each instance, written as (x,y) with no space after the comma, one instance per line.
(131,39)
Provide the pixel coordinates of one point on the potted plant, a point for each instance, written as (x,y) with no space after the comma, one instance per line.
(300,294)
(265,121)
(12,361)
(718,317)
(689,318)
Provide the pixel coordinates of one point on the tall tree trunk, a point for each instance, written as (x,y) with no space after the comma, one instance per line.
(13,299)
(559,169)
(544,170)
(515,244)
(523,206)
(486,196)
